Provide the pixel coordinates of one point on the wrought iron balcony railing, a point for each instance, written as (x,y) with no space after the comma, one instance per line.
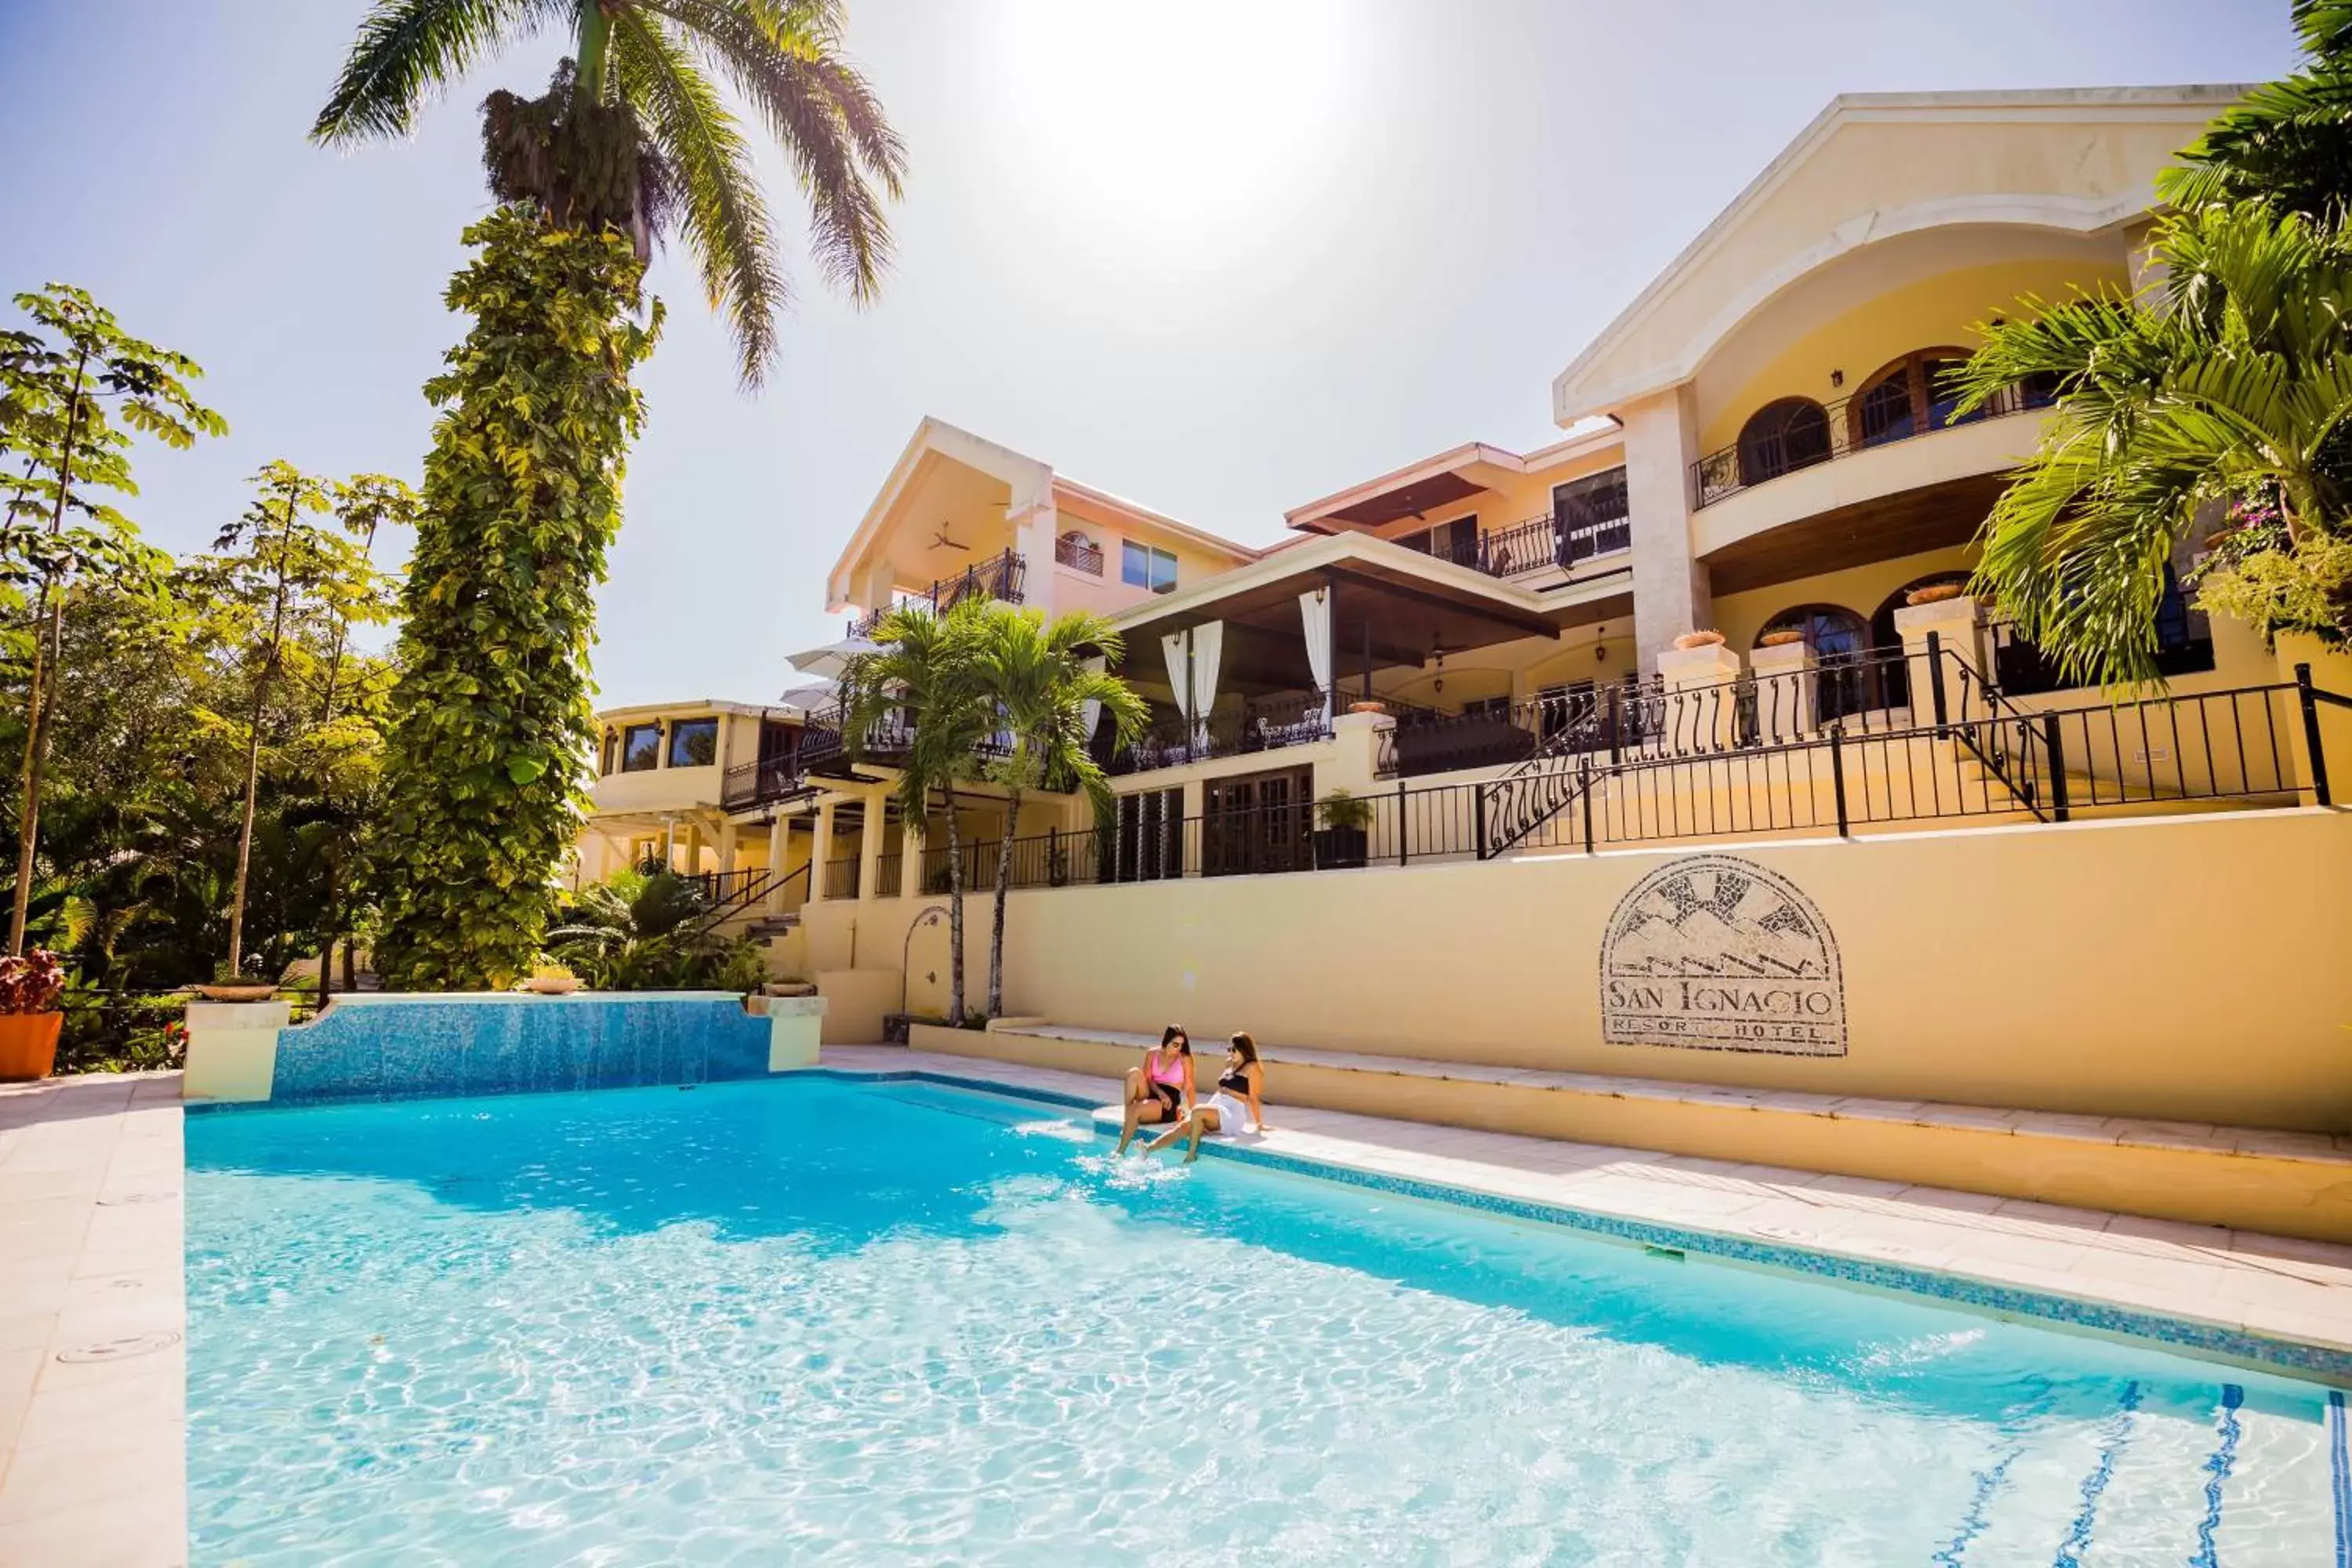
(1002,577)
(1821,432)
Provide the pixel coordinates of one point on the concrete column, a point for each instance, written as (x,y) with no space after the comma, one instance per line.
(1786,680)
(822,850)
(779,835)
(910,859)
(1035,531)
(726,845)
(1957,625)
(869,846)
(1354,765)
(1671,593)
(1702,710)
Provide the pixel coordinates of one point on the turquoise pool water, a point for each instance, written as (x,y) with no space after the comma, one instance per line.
(822,1322)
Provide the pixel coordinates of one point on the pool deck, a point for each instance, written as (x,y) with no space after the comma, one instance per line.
(93,1365)
(93,1318)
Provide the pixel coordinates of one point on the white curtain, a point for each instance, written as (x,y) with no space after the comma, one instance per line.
(1315,619)
(1090,711)
(1194,654)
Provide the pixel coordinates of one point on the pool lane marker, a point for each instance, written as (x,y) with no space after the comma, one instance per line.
(2339,1474)
(1989,1482)
(2216,1470)
(2119,1431)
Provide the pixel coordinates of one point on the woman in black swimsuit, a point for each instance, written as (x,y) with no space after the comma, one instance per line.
(1231,1108)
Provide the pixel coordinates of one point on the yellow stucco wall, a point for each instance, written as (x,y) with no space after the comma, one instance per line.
(1933,313)
(2187,968)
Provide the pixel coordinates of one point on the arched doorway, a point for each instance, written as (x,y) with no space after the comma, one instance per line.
(1907,397)
(1841,642)
(1793,433)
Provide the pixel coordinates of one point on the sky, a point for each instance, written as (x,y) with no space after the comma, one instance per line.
(1218,257)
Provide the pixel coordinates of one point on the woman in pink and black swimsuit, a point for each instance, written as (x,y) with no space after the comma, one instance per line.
(1161,1089)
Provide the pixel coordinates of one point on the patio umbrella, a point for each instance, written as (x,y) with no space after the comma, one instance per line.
(826,663)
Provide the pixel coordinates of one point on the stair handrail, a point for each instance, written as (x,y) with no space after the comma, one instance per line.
(754,887)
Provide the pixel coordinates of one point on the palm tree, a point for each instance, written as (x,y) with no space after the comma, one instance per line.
(1042,680)
(2232,386)
(634,134)
(921,683)
(2288,143)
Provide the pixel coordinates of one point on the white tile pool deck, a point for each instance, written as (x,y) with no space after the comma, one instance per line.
(93,1311)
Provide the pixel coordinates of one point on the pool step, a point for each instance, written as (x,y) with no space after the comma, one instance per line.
(2282,1183)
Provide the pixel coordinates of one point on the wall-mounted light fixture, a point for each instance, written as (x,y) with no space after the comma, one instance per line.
(1837,378)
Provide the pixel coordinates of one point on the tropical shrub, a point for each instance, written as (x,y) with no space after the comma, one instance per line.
(30,982)
(491,718)
(641,933)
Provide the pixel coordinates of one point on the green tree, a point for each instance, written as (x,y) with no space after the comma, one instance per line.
(75,391)
(490,722)
(2289,142)
(921,686)
(636,136)
(303,586)
(2221,388)
(1040,682)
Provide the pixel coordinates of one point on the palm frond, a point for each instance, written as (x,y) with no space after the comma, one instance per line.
(410,51)
(821,113)
(719,210)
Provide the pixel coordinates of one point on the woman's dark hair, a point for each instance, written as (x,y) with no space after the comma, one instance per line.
(1176,1032)
(1247,1048)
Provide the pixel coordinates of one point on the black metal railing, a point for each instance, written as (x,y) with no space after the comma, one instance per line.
(1003,576)
(1841,428)
(1077,555)
(722,887)
(841,878)
(2235,746)
(1542,542)
(770,779)
(1256,724)
(887,870)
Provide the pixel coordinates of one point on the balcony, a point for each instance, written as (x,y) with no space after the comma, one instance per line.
(1798,433)
(1001,577)
(1079,555)
(1267,723)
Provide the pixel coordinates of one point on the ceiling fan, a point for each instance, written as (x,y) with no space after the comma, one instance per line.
(941,542)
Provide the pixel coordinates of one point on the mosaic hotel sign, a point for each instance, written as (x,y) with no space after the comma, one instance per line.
(1717,953)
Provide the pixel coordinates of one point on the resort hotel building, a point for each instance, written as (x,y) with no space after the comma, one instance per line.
(1866,840)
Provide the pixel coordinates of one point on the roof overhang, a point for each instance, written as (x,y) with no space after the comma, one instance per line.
(1419,488)
(1396,605)
(1640,355)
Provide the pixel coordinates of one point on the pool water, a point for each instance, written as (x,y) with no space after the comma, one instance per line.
(813,1321)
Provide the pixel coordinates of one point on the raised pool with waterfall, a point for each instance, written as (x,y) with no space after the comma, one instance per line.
(811,1320)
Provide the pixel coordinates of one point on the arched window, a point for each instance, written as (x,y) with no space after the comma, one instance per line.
(1793,433)
(1840,643)
(1911,394)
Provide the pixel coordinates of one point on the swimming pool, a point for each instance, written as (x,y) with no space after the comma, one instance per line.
(901,1324)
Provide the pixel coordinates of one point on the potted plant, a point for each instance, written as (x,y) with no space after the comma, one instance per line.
(549,978)
(29,1018)
(230,985)
(1341,841)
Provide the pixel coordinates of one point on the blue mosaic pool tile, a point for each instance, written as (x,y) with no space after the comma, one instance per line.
(440,1049)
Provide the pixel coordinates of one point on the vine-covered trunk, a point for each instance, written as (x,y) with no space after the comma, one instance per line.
(491,724)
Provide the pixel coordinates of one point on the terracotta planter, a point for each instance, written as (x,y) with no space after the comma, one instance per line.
(553,984)
(1689,640)
(237,993)
(28,1044)
(1779,639)
(1368,707)
(1935,593)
